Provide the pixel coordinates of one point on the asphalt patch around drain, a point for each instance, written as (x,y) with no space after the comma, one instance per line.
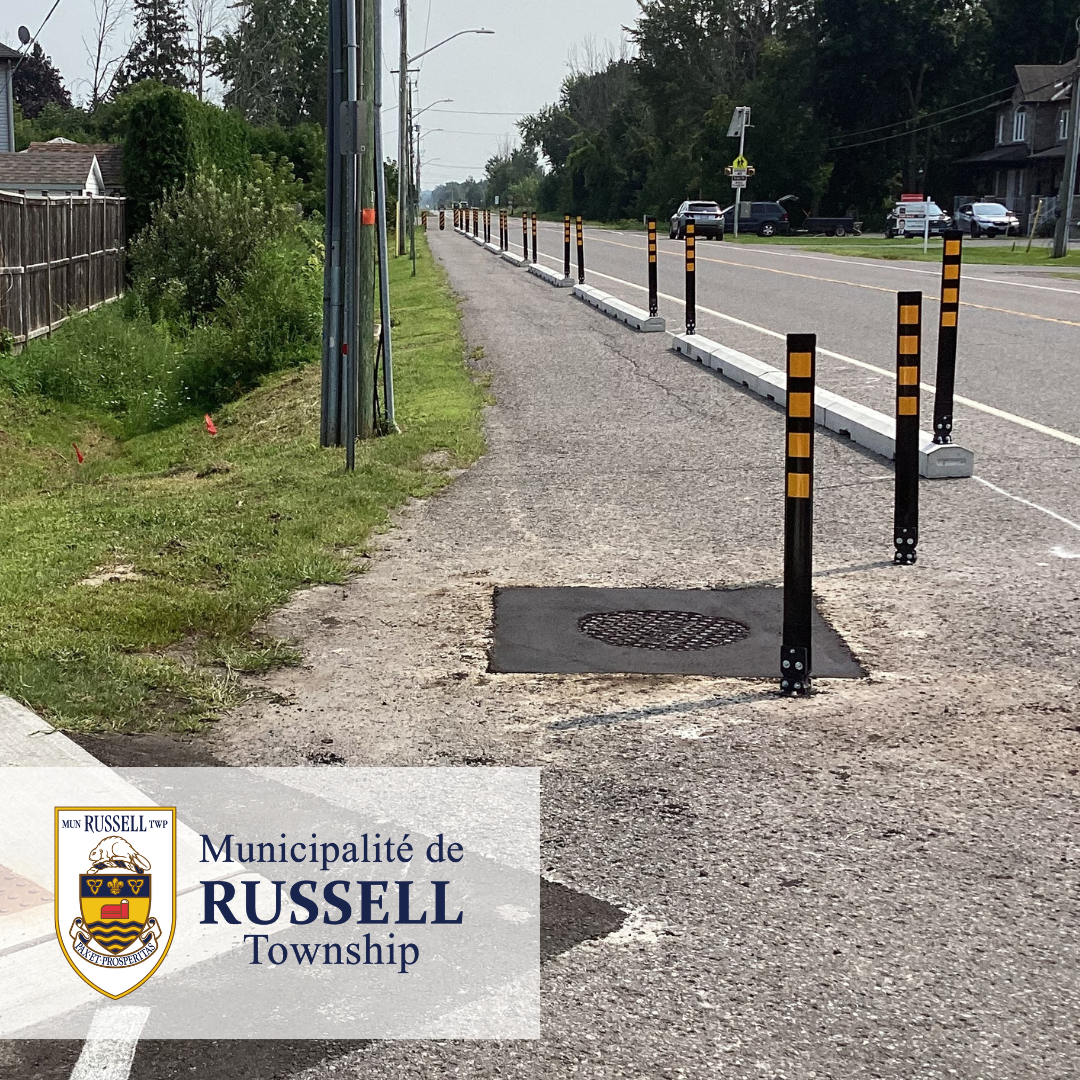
(554,630)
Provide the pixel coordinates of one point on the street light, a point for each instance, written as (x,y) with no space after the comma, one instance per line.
(441,101)
(403,112)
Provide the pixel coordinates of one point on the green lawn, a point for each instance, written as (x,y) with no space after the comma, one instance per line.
(193,538)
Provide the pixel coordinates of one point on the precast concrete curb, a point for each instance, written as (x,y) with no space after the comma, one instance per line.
(864,426)
(26,740)
(514,260)
(550,276)
(493,248)
(619,309)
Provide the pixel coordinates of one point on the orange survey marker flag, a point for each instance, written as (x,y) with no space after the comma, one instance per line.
(78,453)
(210,425)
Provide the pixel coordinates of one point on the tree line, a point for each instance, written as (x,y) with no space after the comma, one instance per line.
(853,101)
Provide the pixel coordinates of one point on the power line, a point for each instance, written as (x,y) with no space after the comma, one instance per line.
(913,131)
(476,112)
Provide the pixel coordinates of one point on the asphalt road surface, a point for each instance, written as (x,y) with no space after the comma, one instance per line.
(879,881)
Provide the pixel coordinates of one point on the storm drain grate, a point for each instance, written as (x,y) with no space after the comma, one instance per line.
(669,631)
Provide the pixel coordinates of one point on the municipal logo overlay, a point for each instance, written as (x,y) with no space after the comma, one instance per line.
(115,892)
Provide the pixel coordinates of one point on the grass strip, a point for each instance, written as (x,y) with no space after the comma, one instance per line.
(130,584)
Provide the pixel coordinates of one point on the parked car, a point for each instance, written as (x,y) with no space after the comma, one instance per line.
(706,216)
(989,218)
(912,221)
(763,218)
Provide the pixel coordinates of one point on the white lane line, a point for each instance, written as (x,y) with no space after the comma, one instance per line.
(879,264)
(990,410)
(1028,502)
(110,1044)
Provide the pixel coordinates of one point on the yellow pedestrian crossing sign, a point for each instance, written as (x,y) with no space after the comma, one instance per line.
(739,163)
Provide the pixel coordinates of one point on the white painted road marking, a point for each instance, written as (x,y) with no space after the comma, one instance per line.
(110,1044)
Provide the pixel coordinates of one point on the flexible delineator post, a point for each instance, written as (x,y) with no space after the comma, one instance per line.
(795,647)
(580,252)
(534,236)
(653,302)
(945,380)
(566,246)
(442,220)
(908,376)
(691,285)
(525,235)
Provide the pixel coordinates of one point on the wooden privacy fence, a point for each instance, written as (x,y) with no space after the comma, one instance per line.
(59,255)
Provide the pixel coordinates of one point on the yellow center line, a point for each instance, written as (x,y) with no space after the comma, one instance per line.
(840,281)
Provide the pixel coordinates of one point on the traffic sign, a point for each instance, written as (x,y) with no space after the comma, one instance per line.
(738,181)
(740,163)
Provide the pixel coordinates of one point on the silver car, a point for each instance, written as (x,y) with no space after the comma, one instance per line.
(707,218)
(987,219)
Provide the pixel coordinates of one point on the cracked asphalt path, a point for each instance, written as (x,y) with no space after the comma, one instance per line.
(879,881)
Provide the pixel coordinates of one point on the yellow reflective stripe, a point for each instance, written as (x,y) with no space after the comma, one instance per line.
(952,247)
(950,296)
(909,345)
(798,485)
(952,272)
(798,444)
(909,315)
(800,365)
(908,406)
(800,405)
(908,376)
(948,318)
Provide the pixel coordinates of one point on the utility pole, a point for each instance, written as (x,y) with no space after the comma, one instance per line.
(366,200)
(390,425)
(1068,178)
(416,197)
(403,125)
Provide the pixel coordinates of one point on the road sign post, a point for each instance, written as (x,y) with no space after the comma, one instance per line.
(691,287)
(740,121)
(945,379)
(653,302)
(906,463)
(796,640)
(580,252)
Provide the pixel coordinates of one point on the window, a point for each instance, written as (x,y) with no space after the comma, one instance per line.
(1002,120)
(1019,124)
(1063,125)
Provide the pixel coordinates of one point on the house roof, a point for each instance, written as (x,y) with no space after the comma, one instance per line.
(36,170)
(1010,152)
(1045,82)
(8,54)
(109,155)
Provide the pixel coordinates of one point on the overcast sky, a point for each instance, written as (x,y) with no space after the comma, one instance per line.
(492,79)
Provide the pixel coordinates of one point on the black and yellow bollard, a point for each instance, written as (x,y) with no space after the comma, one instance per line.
(653,300)
(534,256)
(487,226)
(476,221)
(908,375)
(502,230)
(795,641)
(423,220)
(525,236)
(566,246)
(442,220)
(945,379)
(580,252)
(691,284)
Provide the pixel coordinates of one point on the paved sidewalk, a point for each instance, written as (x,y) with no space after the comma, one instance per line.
(876,882)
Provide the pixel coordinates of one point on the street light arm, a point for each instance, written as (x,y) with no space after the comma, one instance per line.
(413,59)
(441,101)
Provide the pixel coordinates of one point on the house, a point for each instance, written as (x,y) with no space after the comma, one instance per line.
(1030,134)
(110,159)
(46,172)
(8,59)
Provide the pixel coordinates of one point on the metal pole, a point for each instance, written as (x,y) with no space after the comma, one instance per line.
(691,285)
(580,252)
(945,380)
(350,339)
(1068,179)
(403,120)
(653,300)
(384,252)
(534,236)
(908,363)
(367,244)
(738,191)
(796,642)
(566,247)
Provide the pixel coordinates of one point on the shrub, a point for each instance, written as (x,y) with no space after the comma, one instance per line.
(203,237)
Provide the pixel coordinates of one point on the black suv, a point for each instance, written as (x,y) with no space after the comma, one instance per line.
(763,218)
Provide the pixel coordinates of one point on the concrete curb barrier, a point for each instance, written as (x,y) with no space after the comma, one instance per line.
(550,276)
(620,309)
(864,426)
(27,740)
(514,260)
(478,240)
(494,249)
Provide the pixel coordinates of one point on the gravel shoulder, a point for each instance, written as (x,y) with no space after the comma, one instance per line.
(879,881)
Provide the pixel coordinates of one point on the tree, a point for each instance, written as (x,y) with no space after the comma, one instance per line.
(159,51)
(37,82)
(205,18)
(273,61)
(100,54)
